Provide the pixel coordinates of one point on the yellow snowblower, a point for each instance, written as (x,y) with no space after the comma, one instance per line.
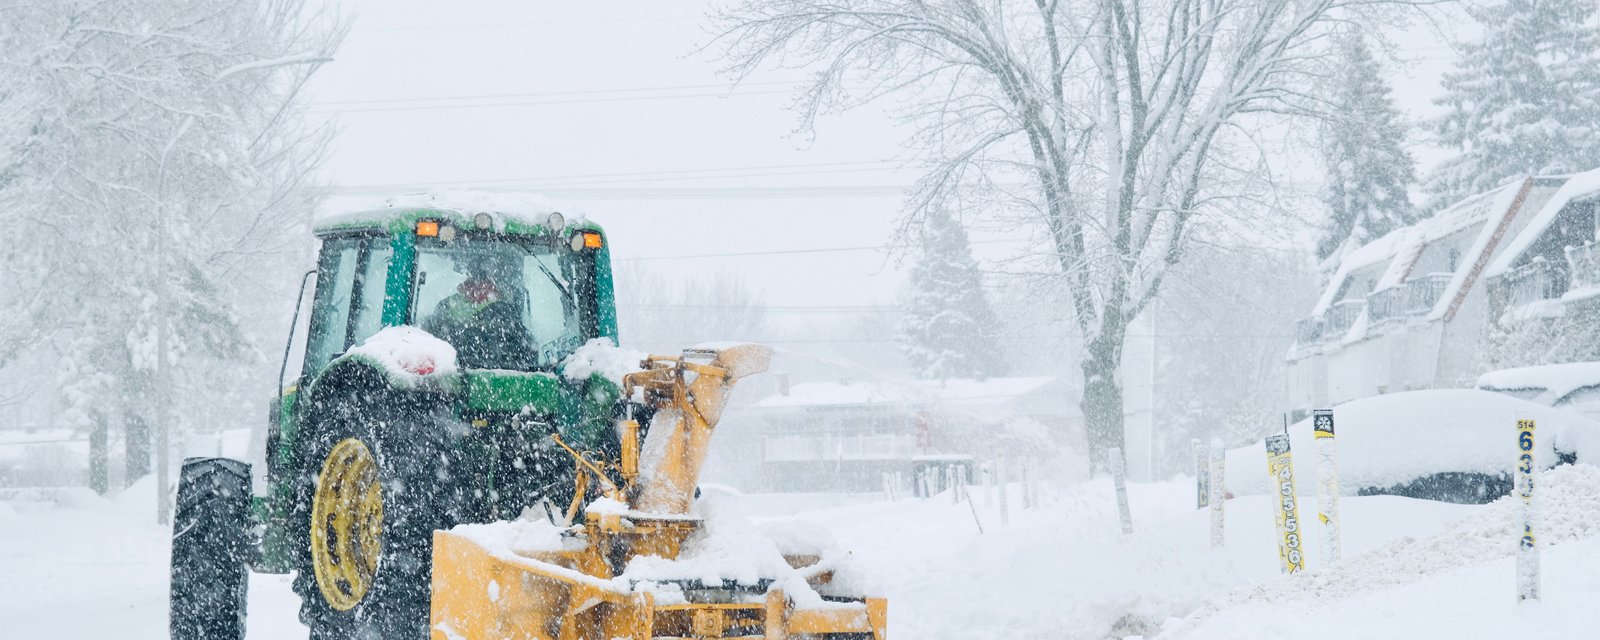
(582,588)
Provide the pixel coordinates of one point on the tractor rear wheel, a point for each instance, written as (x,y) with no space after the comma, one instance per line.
(377,488)
(211,550)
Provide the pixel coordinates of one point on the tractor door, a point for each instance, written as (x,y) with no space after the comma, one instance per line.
(348,306)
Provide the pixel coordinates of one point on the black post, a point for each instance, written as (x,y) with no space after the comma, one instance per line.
(99,456)
(137,451)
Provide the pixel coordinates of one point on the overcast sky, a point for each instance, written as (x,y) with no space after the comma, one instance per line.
(608,106)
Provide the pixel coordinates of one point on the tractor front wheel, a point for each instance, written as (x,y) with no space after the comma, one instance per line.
(378,488)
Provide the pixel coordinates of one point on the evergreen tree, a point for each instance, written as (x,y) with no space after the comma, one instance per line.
(1363,152)
(949,330)
(1524,100)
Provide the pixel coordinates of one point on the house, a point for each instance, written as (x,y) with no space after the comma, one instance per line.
(1553,263)
(845,435)
(1408,310)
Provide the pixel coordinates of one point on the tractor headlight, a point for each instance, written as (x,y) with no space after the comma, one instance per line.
(483,220)
(556,222)
(576,242)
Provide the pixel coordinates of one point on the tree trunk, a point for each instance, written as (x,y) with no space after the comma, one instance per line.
(1102,395)
(99,455)
(137,452)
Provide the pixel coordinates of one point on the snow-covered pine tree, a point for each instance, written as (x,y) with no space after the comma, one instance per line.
(949,329)
(1368,170)
(1523,100)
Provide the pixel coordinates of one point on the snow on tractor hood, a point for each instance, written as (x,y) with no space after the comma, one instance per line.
(407,354)
(602,356)
(1399,437)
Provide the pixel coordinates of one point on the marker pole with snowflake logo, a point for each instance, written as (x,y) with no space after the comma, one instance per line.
(1327,483)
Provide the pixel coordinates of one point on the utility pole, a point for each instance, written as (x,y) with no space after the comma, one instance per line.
(162,381)
(1155,335)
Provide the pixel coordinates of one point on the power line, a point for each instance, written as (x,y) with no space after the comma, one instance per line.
(546,94)
(1035,337)
(662,193)
(517,25)
(779,252)
(768,308)
(725,93)
(585,179)
(746,254)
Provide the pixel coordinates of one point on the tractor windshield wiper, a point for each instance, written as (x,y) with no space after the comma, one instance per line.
(565,292)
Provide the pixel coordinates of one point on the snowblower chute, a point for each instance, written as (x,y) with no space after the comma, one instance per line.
(582,587)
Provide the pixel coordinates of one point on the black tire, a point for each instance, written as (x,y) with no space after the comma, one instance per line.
(212,548)
(409,435)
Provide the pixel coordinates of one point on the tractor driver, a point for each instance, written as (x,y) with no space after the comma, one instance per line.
(482,319)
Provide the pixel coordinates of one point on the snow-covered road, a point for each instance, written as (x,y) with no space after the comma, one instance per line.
(97,568)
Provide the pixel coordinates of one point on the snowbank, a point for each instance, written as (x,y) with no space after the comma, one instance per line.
(1396,438)
(1455,584)
(604,357)
(407,354)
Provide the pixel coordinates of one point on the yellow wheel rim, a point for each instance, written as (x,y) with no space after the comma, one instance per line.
(346,524)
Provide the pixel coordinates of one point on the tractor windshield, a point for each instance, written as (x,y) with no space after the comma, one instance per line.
(503,304)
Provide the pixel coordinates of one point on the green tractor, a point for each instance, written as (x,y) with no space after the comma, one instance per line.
(391,432)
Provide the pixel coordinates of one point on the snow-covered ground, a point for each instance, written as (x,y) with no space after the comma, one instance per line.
(96,568)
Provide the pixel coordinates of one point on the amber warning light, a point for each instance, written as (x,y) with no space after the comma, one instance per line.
(428,228)
(592,240)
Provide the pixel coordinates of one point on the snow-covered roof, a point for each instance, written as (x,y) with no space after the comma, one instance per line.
(524,210)
(1553,381)
(1497,205)
(1577,187)
(953,390)
(1403,246)
(15,443)
(1396,438)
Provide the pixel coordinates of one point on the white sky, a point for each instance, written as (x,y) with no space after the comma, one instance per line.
(607,106)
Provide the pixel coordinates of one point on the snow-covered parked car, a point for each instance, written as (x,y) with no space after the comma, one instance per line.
(1453,445)
(1573,387)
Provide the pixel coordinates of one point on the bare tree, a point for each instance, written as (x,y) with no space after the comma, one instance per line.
(1102,120)
(155,172)
(662,316)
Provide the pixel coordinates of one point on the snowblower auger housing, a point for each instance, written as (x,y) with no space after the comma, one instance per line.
(434,392)
(582,591)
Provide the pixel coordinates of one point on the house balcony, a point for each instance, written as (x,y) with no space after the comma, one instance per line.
(1583,264)
(1341,316)
(1423,293)
(1532,282)
(1308,330)
(1387,304)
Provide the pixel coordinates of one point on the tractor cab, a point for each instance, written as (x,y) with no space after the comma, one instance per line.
(508,293)
(514,294)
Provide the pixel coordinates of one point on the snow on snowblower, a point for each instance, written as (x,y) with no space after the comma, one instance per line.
(466,454)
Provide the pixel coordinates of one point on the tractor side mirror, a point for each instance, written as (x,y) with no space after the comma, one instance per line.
(294,322)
